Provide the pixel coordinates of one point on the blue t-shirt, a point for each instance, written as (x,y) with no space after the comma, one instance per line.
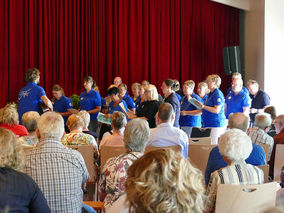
(189,120)
(215,98)
(62,105)
(173,100)
(89,101)
(29,99)
(216,161)
(235,103)
(259,101)
(245,90)
(129,101)
(112,109)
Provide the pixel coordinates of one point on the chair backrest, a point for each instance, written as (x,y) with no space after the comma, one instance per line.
(151,148)
(107,152)
(245,198)
(266,150)
(199,153)
(279,161)
(88,153)
(204,140)
(265,169)
(27,148)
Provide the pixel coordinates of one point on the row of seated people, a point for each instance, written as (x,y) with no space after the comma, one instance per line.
(165,118)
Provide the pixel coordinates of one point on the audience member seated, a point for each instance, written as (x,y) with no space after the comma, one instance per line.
(165,134)
(18,191)
(235,146)
(59,171)
(163,181)
(86,118)
(29,120)
(272,112)
(278,139)
(215,161)
(76,137)
(10,120)
(142,98)
(113,176)
(149,107)
(258,133)
(118,123)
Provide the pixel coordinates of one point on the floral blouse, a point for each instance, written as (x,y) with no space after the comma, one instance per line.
(78,138)
(31,140)
(113,177)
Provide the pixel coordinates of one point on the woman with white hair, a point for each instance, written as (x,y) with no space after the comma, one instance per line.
(18,191)
(86,118)
(29,120)
(113,174)
(235,147)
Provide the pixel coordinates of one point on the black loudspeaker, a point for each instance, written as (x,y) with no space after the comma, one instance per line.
(232,61)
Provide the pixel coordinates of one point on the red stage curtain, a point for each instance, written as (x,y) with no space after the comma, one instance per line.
(134,39)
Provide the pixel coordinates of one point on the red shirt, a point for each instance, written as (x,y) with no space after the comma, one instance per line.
(17,129)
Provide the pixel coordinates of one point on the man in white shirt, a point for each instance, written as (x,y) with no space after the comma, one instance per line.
(165,134)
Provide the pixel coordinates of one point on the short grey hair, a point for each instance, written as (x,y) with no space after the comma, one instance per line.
(51,124)
(29,120)
(239,120)
(85,116)
(165,111)
(136,135)
(262,120)
(235,145)
(118,120)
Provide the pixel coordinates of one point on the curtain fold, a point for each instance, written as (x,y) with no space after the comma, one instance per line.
(134,39)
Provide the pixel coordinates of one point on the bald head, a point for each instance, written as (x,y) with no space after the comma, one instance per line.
(239,121)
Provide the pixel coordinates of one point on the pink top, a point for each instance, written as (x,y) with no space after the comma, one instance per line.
(112,140)
(17,129)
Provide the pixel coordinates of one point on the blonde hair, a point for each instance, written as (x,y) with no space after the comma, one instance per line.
(11,152)
(202,84)
(29,120)
(189,83)
(85,116)
(9,115)
(153,92)
(162,181)
(135,85)
(216,79)
(75,121)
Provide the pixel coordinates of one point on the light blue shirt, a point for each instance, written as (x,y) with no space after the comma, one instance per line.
(167,135)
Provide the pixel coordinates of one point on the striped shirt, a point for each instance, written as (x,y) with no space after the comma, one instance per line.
(238,173)
(60,173)
(259,136)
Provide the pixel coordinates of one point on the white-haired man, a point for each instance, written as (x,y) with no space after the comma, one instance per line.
(165,134)
(235,146)
(215,160)
(59,171)
(258,134)
(237,100)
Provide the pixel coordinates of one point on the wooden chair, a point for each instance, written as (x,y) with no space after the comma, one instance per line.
(199,153)
(245,198)
(266,150)
(96,205)
(152,148)
(107,152)
(265,169)
(279,161)
(88,152)
(204,140)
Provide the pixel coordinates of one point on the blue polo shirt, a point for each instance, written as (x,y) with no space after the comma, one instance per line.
(259,101)
(129,101)
(215,98)
(29,99)
(245,90)
(62,105)
(112,109)
(235,103)
(189,120)
(89,101)
(203,99)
